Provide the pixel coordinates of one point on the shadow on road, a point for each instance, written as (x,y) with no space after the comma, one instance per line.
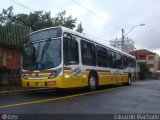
(66,92)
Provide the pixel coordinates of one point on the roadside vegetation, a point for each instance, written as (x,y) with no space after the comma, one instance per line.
(144,72)
(14,27)
(39,19)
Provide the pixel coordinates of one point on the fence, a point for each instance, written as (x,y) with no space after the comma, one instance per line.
(12,34)
(10,77)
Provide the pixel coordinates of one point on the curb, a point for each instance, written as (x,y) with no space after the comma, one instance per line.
(19,92)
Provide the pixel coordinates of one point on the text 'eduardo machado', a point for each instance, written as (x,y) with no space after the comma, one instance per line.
(137,116)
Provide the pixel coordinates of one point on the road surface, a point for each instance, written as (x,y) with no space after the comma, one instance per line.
(140,97)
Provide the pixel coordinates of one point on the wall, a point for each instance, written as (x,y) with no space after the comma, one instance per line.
(10,59)
(10,67)
(13,59)
(150,58)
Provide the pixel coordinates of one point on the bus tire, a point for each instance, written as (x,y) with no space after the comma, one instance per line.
(92,82)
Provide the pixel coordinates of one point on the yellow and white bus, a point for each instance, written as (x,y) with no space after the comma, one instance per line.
(59,57)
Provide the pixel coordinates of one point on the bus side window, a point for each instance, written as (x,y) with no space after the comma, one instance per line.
(119,61)
(128,62)
(125,62)
(112,59)
(70,51)
(102,57)
(88,53)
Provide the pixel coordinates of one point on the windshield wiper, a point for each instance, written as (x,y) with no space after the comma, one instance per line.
(37,52)
(46,47)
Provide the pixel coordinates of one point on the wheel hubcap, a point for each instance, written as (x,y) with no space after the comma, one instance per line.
(92,82)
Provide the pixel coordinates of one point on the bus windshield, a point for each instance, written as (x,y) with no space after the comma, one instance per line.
(42,55)
(44,34)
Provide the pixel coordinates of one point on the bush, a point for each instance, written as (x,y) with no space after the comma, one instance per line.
(144,71)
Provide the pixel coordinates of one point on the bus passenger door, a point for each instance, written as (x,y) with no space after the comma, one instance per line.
(71,61)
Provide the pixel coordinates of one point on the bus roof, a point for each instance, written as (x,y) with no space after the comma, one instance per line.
(64,29)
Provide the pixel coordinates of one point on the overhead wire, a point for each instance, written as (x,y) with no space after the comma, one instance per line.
(95,14)
(93,35)
(22,5)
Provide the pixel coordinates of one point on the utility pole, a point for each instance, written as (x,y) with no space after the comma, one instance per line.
(122,40)
(123,36)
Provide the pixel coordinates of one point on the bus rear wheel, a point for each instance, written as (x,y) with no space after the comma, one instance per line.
(92,82)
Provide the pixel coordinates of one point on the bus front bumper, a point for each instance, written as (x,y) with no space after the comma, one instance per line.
(52,83)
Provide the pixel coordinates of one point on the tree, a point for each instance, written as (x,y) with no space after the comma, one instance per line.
(38,19)
(12,27)
(6,15)
(9,15)
(144,71)
(21,19)
(79,28)
(62,20)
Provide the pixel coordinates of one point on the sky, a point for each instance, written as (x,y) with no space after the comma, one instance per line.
(113,15)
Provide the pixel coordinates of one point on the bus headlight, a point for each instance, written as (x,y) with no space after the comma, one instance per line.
(55,73)
(25,76)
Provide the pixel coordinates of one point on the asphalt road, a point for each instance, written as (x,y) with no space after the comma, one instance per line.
(140,97)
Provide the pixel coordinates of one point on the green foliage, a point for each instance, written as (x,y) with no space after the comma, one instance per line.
(35,21)
(79,28)
(38,19)
(62,20)
(144,71)
(12,34)
(6,15)
(13,28)
(21,19)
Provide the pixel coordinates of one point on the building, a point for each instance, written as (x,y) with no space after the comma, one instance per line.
(129,44)
(150,58)
(11,35)
(10,60)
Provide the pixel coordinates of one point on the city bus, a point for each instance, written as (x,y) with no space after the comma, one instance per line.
(58,57)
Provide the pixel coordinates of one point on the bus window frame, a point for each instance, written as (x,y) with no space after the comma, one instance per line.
(106,56)
(117,66)
(113,66)
(93,53)
(71,38)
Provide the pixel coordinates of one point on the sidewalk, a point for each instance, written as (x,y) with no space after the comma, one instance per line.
(14,90)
